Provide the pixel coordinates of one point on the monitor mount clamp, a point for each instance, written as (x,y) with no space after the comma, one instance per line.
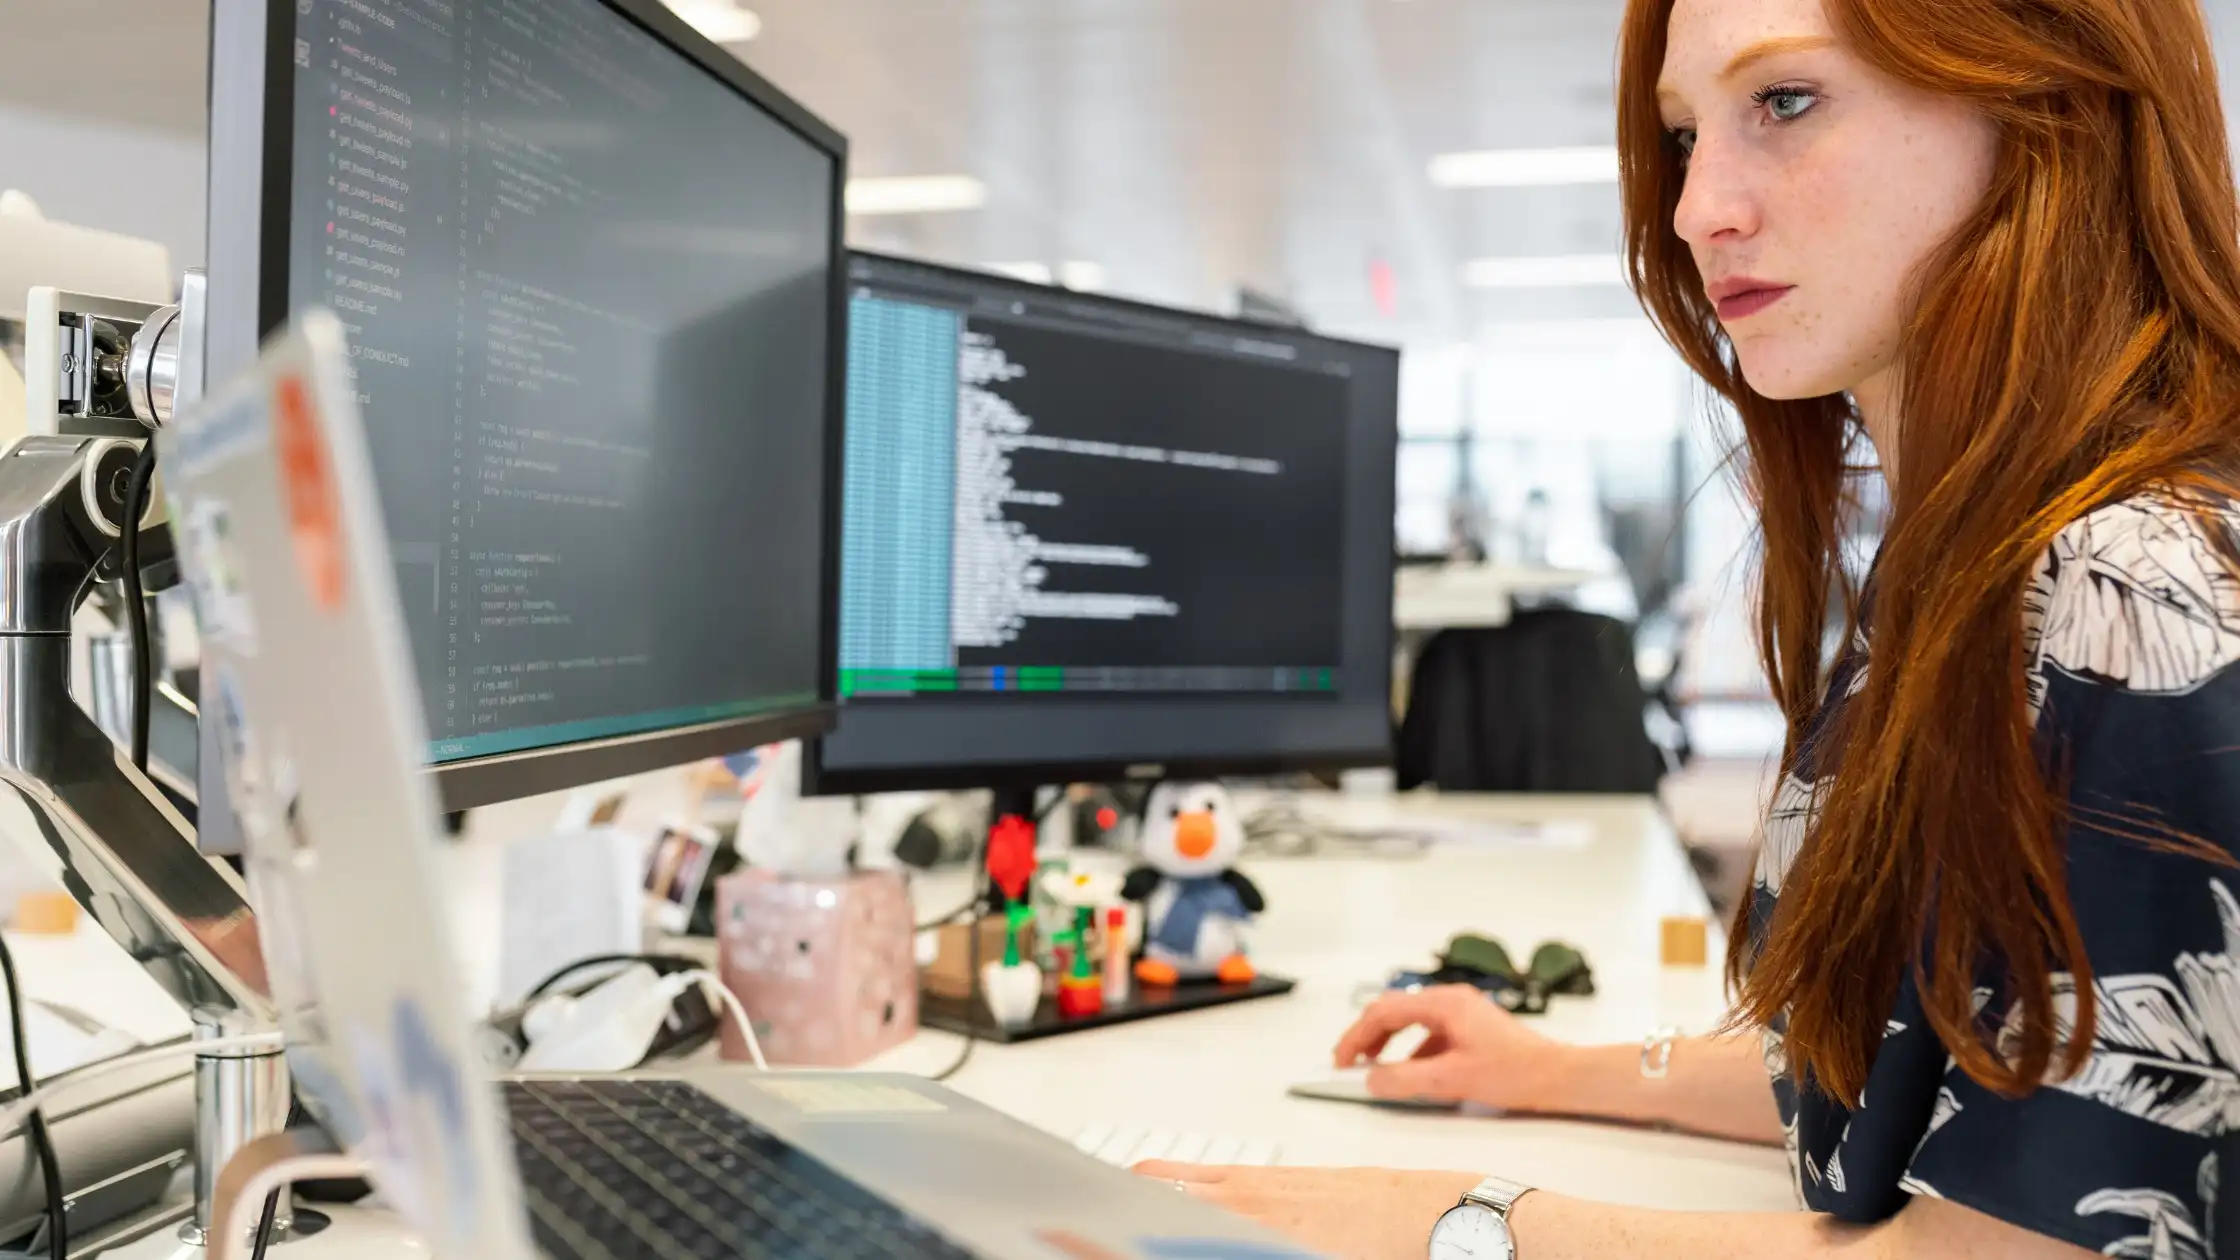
(81,810)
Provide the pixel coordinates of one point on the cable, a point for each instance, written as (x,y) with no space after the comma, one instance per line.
(709,981)
(944,920)
(674,962)
(27,1107)
(971,996)
(136,602)
(264,1225)
(58,1225)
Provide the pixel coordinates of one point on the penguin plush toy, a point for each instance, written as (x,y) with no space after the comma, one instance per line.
(1196,904)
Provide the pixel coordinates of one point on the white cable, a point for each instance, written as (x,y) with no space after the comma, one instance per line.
(709,981)
(13,1117)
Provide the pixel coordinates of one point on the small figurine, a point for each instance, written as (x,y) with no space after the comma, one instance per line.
(1010,861)
(1012,987)
(1197,904)
(1081,893)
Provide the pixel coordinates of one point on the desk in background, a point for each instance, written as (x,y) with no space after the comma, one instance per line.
(1429,598)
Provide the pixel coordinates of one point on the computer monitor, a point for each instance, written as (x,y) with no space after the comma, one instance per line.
(590,267)
(1086,539)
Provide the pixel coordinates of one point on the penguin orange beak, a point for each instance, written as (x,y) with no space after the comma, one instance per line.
(1193,835)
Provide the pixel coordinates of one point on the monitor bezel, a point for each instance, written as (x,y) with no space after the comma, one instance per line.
(818,779)
(251,160)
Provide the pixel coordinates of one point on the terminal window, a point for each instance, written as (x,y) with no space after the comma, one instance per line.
(1040,500)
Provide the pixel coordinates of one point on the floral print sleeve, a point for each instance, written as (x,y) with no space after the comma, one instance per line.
(2134,632)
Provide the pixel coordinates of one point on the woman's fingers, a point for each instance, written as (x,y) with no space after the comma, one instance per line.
(1388,1015)
(1420,1079)
(1168,1170)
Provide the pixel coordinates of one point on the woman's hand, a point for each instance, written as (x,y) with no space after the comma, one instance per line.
(1473,1051)
(1344,1213)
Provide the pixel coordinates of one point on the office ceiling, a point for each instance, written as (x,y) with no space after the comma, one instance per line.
(1182,146)
(1187,146)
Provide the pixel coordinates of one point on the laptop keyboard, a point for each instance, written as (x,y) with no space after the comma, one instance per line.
(618,1170)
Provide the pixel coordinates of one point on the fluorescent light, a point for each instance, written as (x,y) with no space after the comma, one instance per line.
(1552,271)
(1525,168)
(915,194)
(720,20)
(1031,272)
(1082,277)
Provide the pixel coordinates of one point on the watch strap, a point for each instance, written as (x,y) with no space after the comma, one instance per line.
(1499,1194)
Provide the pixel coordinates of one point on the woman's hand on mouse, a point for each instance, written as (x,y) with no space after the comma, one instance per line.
(1472,1051)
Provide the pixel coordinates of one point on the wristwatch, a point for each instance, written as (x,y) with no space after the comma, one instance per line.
(1478,1227)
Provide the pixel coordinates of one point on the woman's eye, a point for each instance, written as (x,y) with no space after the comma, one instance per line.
(1785,104)
(1685,137)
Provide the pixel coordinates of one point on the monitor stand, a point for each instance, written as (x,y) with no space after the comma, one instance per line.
(105,831)
(1013,819)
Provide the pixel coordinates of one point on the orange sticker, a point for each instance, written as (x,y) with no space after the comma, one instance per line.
(307,477)
(1074,1247)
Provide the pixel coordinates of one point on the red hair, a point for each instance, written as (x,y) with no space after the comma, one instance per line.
(2075,342)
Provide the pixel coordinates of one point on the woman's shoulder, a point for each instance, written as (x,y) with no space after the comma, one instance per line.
(2142,593)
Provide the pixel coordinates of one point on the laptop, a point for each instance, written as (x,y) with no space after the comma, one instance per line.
(279,529)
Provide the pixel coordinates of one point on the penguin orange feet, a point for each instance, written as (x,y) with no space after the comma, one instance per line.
(1157,975)
(1235,969)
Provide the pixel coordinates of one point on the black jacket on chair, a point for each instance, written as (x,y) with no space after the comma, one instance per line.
(1550,702)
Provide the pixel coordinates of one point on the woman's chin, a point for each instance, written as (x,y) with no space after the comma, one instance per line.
(1772,376)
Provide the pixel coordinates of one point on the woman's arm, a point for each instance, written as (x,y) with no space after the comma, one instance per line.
(1381,1214)
(1473,1051)
(1715,1086)
(1551,1227)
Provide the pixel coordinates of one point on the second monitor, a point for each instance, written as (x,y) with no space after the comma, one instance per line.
(1085,538)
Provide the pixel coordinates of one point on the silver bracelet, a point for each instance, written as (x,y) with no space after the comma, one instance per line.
(1656,1052)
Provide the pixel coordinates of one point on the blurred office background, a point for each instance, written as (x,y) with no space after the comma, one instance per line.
(1431,173)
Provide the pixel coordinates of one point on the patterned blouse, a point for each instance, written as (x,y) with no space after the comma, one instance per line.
(2133,628)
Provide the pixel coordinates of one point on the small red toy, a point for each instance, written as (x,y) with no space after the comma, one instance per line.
(1011,859)
(1078,996)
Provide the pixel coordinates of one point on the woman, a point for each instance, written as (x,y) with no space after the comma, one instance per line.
(1993,956)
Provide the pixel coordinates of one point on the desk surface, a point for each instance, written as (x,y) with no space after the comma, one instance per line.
(1337,923)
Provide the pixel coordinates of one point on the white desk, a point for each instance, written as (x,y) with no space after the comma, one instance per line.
(1437,597)
(1336,923)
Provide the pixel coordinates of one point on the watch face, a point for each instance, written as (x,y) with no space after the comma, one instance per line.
(1471,1232)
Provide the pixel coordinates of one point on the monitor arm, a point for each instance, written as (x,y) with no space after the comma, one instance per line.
(74,802)
(68,794)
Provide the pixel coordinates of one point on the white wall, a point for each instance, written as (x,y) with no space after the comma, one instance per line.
(141,183)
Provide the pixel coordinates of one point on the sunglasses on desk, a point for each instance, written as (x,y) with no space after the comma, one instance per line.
(1557,969)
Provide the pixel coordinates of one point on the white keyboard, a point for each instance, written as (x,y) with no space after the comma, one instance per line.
(1124,1146)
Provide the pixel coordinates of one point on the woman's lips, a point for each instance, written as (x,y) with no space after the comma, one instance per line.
(1747,302)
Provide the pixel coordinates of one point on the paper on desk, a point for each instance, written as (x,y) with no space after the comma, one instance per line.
(1559,833)
(1373,821)
(567,895)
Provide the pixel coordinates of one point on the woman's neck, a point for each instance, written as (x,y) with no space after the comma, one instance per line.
(1877,401)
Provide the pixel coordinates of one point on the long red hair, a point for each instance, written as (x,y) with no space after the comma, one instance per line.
(2075,342)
